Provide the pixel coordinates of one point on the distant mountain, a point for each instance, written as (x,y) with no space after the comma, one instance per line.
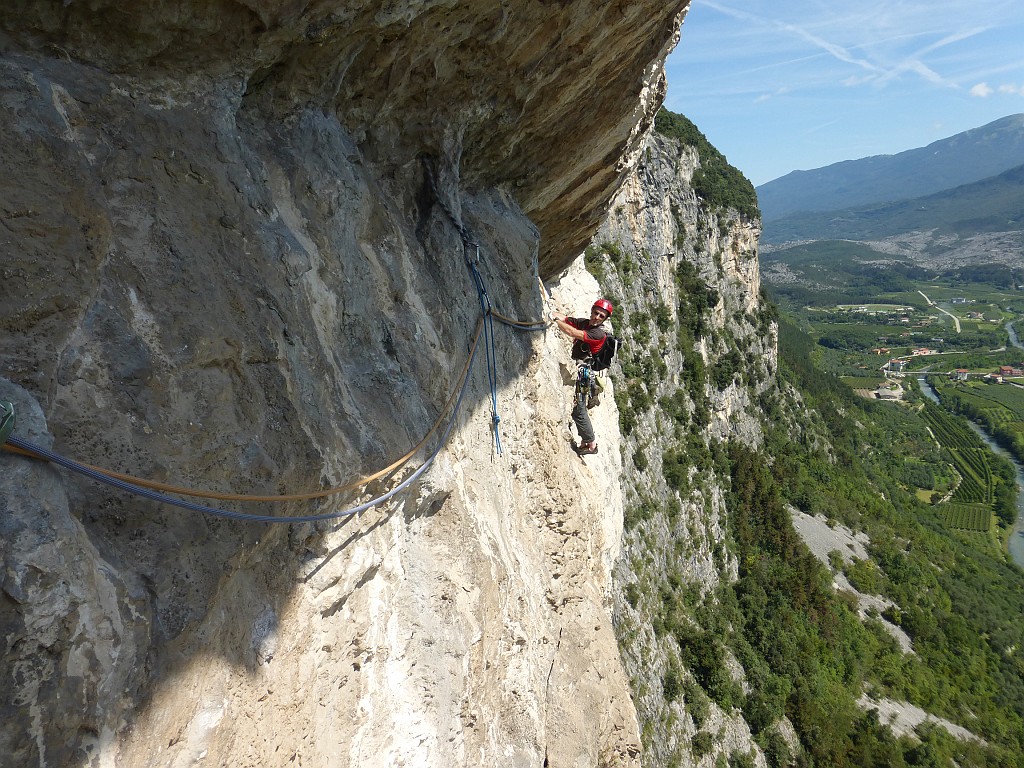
(961,159)
(995,204)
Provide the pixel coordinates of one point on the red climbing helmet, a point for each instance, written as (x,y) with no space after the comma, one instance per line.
(605,305)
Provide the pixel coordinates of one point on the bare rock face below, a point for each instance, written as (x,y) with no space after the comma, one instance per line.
(233,259)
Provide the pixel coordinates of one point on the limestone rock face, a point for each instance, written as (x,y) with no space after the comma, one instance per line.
(234,258)
(676,264)
(660,222)
(70,622)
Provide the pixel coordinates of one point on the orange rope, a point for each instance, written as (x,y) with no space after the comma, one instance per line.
(519,323)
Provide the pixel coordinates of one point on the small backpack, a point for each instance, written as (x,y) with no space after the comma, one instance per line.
(603,357)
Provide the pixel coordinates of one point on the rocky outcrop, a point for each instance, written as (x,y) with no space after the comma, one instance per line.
(699,350)
(233,259)
(549,100)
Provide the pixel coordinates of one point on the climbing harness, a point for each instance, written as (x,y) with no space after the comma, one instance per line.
(588,386)
(584,381)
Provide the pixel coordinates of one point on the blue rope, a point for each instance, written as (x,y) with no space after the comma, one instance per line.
(485,303)
(489,343)
(162,498)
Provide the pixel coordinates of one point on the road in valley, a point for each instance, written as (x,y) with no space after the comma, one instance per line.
(956,320)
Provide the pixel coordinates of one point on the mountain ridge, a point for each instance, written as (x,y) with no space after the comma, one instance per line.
(963,158)
(991,205)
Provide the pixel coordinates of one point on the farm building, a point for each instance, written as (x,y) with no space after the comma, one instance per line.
(889,393)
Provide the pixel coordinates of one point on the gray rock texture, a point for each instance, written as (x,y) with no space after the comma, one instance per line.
(232,259)
(547,99)
(68,618)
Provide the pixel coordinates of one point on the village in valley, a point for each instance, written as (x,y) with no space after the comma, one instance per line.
(941,352)
(954,338)
(895,368)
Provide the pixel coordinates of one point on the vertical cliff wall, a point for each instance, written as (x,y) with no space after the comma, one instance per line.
(233,259)
(699,351)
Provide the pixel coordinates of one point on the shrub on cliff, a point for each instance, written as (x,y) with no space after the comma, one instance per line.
(716,181)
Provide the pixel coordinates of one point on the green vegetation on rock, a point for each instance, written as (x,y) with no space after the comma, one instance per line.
(725,613)
(717,182)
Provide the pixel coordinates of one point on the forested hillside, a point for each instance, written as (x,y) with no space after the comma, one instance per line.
(992,205)
(740,647)
(952,162)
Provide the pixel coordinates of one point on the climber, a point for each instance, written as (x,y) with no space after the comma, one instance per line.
(588,337)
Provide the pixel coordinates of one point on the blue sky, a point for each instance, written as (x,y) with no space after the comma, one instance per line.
(783,85)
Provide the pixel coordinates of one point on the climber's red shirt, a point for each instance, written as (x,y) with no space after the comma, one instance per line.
(595,337)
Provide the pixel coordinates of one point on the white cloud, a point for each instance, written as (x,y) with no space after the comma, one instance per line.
(853,81)
(982,90)
(874,42)
(768,96)
(1011,89)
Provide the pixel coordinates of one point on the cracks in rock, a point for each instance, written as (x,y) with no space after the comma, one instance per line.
(337,605)
(425,198)
(547,688)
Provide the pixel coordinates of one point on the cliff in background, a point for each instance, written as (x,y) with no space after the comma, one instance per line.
(699,355)
(235,260)
(232,259)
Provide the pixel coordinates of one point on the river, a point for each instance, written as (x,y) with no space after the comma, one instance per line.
(1017,535)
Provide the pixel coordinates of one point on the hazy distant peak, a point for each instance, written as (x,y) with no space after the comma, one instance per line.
(960,159)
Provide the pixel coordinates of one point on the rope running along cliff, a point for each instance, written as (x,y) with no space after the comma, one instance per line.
(157,491)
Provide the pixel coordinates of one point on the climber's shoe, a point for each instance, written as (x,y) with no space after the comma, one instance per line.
(586,449)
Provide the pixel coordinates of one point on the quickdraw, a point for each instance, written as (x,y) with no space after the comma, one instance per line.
(584,381)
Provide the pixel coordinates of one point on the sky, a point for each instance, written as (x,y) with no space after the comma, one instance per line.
(784,85)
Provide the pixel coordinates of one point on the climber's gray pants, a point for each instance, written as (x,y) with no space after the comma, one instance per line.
(582,419)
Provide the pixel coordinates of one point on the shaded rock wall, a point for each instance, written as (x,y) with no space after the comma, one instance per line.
(231,260)
(547,99)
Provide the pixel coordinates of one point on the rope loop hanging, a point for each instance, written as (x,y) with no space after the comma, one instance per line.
(158,492)
(132,485)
